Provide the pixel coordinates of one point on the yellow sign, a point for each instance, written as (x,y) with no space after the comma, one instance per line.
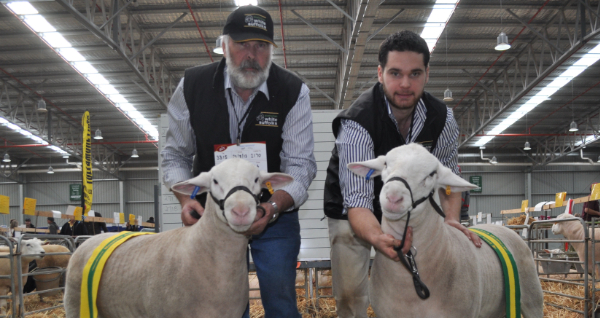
(4,204)
(559,200)
(524,205)
(595,192)
(77,213)
(88,187)
(29,206)
(131,219)
(121,217)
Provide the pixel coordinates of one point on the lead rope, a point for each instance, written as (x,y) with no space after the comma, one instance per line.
(408,259)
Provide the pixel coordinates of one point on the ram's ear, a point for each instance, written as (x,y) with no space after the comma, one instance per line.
(187,187)
(278,180)
(456,183)
(363,168)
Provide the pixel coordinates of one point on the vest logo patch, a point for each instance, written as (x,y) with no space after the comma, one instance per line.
(267,119)
(256,21)
(427,144)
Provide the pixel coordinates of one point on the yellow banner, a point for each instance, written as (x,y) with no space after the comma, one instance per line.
(29,206)
(121,218)
(131,219)
(88,187)
(595,192)
(4,204)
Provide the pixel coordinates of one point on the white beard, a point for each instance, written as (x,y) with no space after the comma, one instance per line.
(247,80)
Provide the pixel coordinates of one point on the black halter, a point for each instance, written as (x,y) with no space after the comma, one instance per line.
(408,260)
(221,203)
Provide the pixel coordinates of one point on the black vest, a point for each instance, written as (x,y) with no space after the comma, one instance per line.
(204,92)
(370,111)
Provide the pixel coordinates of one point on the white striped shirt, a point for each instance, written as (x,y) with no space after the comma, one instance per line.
(297,158)
(354,144)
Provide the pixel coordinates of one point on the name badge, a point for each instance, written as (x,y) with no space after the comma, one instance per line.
(255,152)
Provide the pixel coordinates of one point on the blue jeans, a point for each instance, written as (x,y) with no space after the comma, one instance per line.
(275,253)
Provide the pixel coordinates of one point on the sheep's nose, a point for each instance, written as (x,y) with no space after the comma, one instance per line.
(240,211)
(394,198)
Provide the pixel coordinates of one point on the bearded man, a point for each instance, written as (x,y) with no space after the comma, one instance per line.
(244,105)
(394,112)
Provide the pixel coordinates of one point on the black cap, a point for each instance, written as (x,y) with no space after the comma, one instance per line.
(249,23)
(28,219)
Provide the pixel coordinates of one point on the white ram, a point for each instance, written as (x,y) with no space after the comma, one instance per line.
(573,230)
(464,281)
(194,271)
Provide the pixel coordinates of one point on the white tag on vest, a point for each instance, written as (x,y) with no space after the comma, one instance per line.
(255,152)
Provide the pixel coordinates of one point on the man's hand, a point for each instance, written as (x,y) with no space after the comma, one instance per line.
(470,234)
(261,220)
(188,205)
(385,244)
(186,212)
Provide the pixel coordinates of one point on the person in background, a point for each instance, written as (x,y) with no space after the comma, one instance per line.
(12,227)
(590,208)
(74,228)
(52,227)
(67,228)
(131,227)
(151,220)
(94,228)
(28,224)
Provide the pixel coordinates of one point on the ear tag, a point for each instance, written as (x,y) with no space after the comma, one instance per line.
(269,187)
(368,176)
(448,190)
(195,192)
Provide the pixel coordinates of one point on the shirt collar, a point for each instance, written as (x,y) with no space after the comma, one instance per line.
(262,88)
(419,118)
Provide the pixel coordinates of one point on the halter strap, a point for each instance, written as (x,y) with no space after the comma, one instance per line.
(221,203)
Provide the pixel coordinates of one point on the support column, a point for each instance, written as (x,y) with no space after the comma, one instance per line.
(121,197)
(21,199)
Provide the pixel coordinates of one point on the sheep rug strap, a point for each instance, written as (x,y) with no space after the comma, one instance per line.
(512,289)
(93,271)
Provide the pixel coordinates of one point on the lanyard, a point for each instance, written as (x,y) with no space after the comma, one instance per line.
(239,121)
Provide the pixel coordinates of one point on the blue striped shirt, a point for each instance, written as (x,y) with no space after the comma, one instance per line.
(354,144)
(297,158)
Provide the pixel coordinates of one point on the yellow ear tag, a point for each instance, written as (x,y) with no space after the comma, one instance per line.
(448,190)
(269,187)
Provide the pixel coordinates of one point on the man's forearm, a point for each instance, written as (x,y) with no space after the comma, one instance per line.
(364,224)
(451,204)
(283,200)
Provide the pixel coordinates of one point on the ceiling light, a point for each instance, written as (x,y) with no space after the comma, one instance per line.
(527,146)
(134,153)
(437,20)
(50,170)
(98,134)
(448,95)
(41,106)
(6,158)
(573,126)
(503,44)
(494,160)
(65,155)
(219,45)
(240,3)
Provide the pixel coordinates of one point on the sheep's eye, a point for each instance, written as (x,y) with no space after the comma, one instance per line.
(215,181)
(256,181)
(432,173)
(28,245)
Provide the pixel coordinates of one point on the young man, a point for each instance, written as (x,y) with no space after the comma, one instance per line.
(28,224)
(394,112)
(246,99)
(52,227)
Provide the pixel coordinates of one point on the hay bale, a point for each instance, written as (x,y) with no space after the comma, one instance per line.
(519,220)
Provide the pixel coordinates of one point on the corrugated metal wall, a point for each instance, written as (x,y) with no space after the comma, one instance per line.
(52,193)
(504,187)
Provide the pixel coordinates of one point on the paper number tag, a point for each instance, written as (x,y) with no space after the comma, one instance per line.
(121,218)
(29,206)
(116,217)
(559,200)
(78,212)
(131,219)
(524,205)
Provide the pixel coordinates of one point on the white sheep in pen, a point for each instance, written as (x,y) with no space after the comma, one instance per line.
(195,271)
(573,230)
(33,246)
(464,281)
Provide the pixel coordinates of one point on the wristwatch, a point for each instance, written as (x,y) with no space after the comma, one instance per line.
(276,214)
